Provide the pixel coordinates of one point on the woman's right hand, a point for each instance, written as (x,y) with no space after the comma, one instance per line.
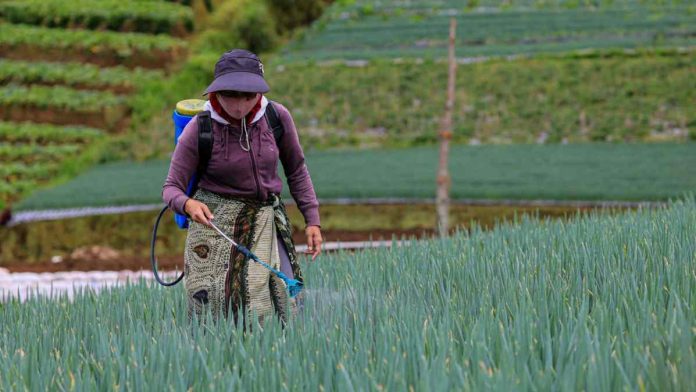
(198,211)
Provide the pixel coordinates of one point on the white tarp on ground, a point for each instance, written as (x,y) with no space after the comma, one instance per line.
(23,285)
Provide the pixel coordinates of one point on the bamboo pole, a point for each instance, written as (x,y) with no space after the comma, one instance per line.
(443,177)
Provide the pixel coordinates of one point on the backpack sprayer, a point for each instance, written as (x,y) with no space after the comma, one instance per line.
(184,112)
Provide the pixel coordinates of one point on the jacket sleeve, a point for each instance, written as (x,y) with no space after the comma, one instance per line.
(296,171)
(182,167)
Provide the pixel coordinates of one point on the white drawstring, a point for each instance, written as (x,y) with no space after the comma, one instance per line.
(246,133)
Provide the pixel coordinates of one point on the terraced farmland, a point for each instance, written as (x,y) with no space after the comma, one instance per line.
(591,171)
(370,73)
(68,75)
(367,29)
(142,16)
(604,301)
(80,76)
(645,97)
(33,154)
(103,48)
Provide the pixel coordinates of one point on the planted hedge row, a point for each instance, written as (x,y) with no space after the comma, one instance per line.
(9,188)
(104,48)
(140,16)
(14,171)
(30,153)
(58,97)
(83,76)
(27,132)
(34,154)
(64,106)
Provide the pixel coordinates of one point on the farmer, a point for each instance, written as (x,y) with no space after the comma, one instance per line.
(240,192)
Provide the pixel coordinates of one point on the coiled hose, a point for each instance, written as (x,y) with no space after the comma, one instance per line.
(153,259)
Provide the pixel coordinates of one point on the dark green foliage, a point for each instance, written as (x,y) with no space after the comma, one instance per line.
(291,14)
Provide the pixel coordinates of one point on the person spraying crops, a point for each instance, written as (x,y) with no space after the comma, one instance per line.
(237,198)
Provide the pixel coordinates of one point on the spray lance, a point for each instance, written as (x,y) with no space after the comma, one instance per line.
(184,112)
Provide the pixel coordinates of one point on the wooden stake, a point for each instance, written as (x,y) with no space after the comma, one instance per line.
(443,177)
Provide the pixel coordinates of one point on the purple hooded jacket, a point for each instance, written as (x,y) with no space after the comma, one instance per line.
(232,171)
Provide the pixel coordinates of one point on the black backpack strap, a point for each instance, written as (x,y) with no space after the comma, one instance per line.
(205,139)
(274,121)
(205,144)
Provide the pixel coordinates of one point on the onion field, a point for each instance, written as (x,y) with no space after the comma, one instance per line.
(597,303)
(366,29)
(584,171)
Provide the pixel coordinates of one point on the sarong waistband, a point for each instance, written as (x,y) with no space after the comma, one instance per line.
(273,200)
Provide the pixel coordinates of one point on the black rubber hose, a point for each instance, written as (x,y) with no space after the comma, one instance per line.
(153,259)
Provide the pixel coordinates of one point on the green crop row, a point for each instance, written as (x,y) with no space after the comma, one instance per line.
(395,31)
(73,74)
(39,154)
(26,132)
(140,16)
(600,303)
(59,97)
(34,152)
(125,44)
(17,170)
(30,153)
(14,187)
(345,9)
(590,171)
(547,100)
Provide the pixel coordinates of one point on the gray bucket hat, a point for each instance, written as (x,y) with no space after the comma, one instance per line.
(238,70)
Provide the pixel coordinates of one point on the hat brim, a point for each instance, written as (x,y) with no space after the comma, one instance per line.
(239,81)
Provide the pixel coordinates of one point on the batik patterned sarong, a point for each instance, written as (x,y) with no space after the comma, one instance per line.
(221,279)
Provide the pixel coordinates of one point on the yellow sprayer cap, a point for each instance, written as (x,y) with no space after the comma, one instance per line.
(190,107)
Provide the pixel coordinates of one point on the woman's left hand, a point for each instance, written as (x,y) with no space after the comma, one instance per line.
(314,241)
